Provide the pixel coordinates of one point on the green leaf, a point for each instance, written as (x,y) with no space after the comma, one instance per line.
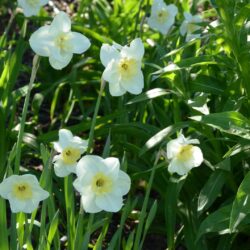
(211,190)
(231,122)
(241,204)
(160,136)
(151,94)
(216,222)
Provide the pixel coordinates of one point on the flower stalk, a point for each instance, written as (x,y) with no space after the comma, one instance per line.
(24,114)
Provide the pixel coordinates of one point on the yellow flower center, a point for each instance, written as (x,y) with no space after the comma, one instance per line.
(62,43)
(185,152)
(33,3)
(162,16)
(70,155)
(101,184)
(22,191)
(127,67)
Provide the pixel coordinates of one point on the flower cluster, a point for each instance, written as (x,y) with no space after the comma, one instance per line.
(163,16)
(100,181)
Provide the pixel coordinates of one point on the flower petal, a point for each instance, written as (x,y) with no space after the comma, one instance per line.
(183,28)
(134,85)
(41,41)
(173,147)
(135,50)
(65,137)
(79,42)
(108,53)
(59,60)
(109,202)
(123,183)
(89,204)
(113,167)
(62,170)
(89,163)
(176,166)
(60,23)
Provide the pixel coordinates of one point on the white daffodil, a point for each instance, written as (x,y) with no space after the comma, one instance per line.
(101,183)
(162,16)
(58,42)
(123,67)
(189,26)
(23,192)
(183,156)
(70,148)
(31,7)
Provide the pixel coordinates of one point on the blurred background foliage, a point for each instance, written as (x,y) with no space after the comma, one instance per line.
(201,87)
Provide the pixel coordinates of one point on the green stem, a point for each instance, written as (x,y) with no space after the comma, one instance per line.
(88,232)
(142,217)
(79,227)
(24,114)
(92,128)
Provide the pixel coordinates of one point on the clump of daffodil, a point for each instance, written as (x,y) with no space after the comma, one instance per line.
(183,155)
(101,183)
(70,149)
(162,16)
(58,42)
(123,67)
(189,26)
(31,7)
(23,192)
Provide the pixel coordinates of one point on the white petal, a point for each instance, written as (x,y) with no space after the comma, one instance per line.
(108,53)
(60,23)
(188,16)
(41,41)
(30,206)
(109,202)
(113,167)
(80,144)
(116,89)
(60,61)
(176,166)
(135,50)
(123,183)
(173,147)
(89,163)
(197,156)
(79,42)
(192,36)
(57,147)
(134,85)
(65,137)
(17,206)
(62,170)
(183,28)
(89,205)
(172,9)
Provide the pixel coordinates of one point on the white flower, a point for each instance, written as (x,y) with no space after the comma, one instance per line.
(58,42)
(123,67)
(70,148)
(183,155)
(23,192)
(101,183)
(162,16)
(188,26)
(31,7)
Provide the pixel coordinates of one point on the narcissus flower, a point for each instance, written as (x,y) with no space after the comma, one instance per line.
(101,183)
(58,42)
(70,148)
(23,192)
(183,155)
(31,7)
(189,26)
(123,67)
(162,16)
